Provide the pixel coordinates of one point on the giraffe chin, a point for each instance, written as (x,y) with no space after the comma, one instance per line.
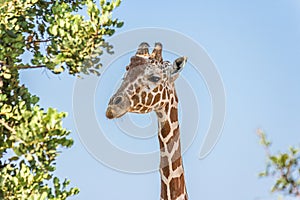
(112,113)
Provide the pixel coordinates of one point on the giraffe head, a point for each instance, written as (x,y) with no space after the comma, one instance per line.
(147,84)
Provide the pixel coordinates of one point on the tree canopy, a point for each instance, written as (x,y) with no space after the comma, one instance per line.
(62,35)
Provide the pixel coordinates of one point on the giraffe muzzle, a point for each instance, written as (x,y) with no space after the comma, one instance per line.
(115,112)
(109,113)
(117,107)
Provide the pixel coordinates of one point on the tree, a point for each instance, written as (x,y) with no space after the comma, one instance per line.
(284,167)
(52,35)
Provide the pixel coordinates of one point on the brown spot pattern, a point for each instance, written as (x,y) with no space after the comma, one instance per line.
(176,163)
(165,129)
(161,145)
(174,115)
(176,98)
(149,99)
(139,106)
(177,187)
(159,114)
(172,141)
(165,170)
(156,99)
(143,97)
(176,159)
(160,87)
(164,192)
(164,94)
(176,131)
(137,90)
(167,107)
(155,89)
(144,109)
(135,99)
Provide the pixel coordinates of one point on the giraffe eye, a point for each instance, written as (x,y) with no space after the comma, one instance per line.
(154,78)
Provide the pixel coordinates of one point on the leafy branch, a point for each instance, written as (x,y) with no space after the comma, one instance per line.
(54,36)
(284,167)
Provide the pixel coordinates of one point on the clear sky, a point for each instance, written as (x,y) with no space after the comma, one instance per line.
(255,46)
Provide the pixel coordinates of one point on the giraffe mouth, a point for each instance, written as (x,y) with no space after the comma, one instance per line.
(113,112)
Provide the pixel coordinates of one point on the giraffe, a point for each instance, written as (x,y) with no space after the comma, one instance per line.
(148,85)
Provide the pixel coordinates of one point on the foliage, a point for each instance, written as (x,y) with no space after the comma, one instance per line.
(285,167)
(29,141)
(52,35)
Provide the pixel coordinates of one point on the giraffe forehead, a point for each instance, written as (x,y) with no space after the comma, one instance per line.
(136,61)
(143,70)
(137,72)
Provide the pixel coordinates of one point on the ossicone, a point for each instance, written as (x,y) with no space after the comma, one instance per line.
(143,49)
(157,52)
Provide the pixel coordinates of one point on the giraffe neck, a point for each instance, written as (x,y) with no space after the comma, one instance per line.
(171,168)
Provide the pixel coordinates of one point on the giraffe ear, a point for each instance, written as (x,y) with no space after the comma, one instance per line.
(177,67)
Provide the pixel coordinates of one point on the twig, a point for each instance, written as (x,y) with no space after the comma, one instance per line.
(2,63)
(31,66)
(38,41)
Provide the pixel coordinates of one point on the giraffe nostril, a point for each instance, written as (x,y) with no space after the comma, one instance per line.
(117,100)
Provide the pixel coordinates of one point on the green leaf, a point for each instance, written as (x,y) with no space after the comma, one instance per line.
(7,75)
(274,159)
(14,158)
(117,3)
(120,24)
(102,2)
(56,181)
(17,151)
(262,174)
(11,34)
(61,23)
(54,30)
(43,196)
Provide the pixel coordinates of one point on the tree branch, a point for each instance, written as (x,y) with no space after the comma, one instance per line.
(31,66)
(38,41)
(2,63)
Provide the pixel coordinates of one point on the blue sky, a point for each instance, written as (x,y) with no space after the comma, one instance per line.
(256,49)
